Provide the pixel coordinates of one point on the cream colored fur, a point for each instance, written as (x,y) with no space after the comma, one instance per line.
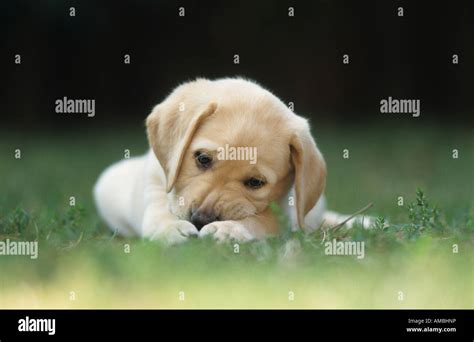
(156,195)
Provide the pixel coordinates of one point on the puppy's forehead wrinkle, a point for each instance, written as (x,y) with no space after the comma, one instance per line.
(202,143)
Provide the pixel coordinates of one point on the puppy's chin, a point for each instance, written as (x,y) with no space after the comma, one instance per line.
(239,214)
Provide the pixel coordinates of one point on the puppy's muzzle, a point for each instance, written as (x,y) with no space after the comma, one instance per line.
(200,218)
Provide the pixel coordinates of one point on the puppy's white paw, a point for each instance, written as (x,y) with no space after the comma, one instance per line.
(366,222)
(332,219)
(226,230)
(176,232)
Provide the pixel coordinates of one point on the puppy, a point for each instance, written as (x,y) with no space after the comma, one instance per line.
(200,176)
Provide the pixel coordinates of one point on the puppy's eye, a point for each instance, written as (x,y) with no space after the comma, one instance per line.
(203,160)
(254,183)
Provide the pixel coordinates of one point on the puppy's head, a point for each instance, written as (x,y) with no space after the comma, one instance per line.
(229,148)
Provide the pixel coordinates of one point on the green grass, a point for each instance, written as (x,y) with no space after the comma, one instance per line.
(413,254)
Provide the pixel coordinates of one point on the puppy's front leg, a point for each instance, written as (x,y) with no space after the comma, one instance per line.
(159,223)
(250,228)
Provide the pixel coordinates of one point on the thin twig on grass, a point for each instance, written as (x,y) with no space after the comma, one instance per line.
(358,212)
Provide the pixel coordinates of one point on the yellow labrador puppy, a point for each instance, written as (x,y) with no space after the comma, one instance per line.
(221,152)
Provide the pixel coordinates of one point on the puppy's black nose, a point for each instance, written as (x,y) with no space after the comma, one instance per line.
(200,218)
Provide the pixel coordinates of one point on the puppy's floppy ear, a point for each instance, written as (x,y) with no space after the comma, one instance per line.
(310,171)
(170,131)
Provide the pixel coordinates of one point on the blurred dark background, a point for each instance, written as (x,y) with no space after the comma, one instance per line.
(299,58)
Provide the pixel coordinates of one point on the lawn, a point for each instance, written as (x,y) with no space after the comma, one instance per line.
(422,259)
